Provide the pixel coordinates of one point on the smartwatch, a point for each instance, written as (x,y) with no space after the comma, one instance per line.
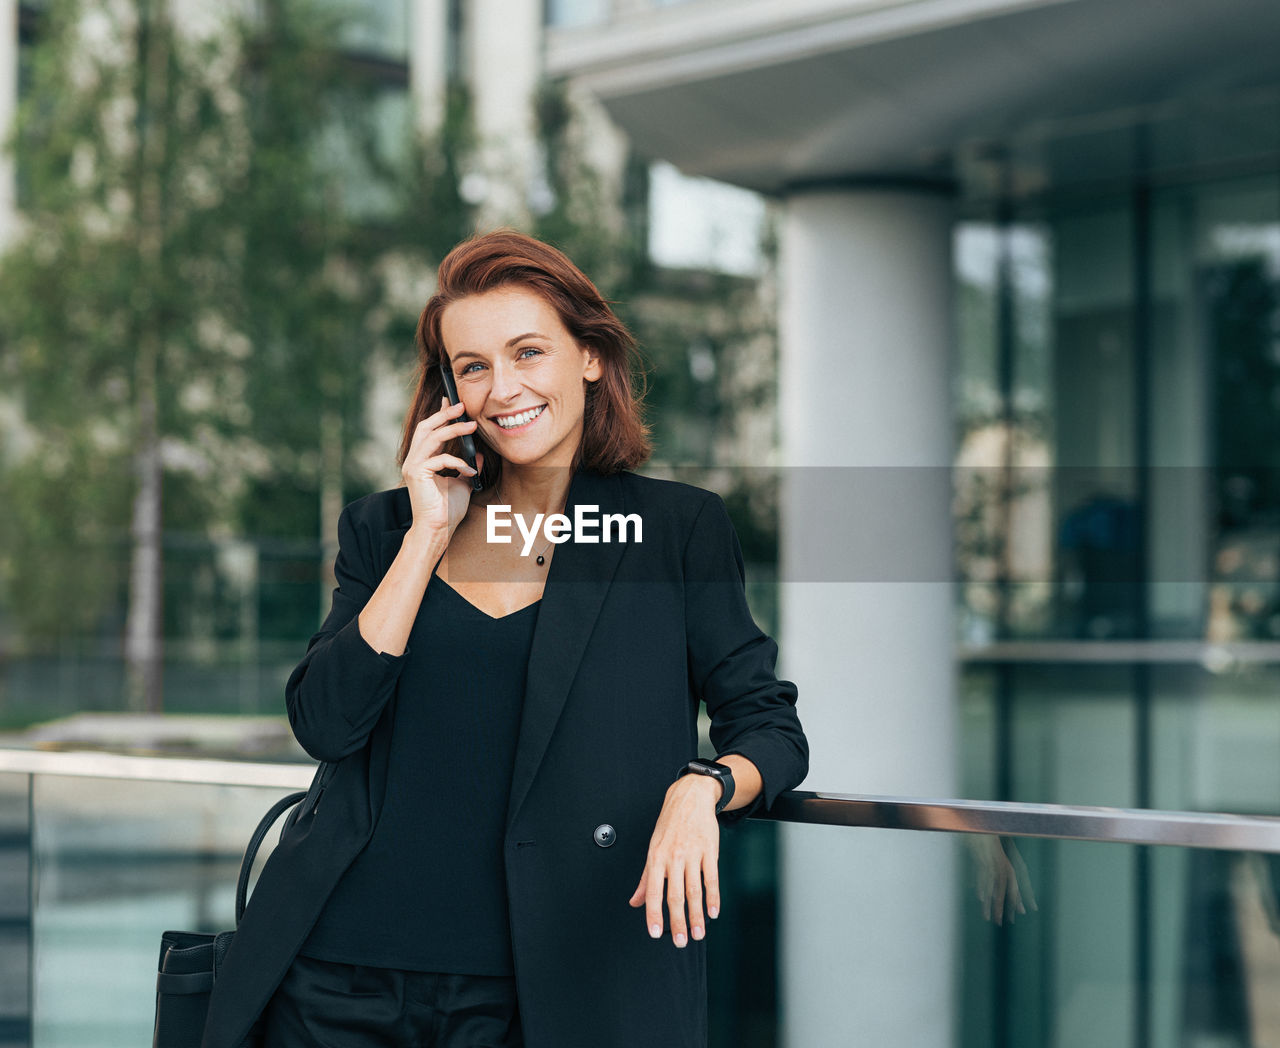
(702,766)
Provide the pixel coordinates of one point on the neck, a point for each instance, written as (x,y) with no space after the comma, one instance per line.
(541,489)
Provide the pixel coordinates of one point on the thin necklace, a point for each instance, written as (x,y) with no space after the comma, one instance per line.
(541,559)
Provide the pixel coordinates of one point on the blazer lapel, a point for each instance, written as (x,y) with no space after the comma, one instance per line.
(577,583)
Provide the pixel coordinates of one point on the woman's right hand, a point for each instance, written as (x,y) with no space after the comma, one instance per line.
(439,503)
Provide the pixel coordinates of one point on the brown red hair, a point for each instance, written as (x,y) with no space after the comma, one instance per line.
(614,435)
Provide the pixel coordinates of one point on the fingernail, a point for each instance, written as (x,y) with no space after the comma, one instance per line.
(697,933)
(713,912)
(680,939)
(655,930)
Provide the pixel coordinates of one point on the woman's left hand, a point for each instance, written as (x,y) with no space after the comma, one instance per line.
(683,855)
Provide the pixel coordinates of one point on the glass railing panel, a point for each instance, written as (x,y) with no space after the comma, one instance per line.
(15,911)
(1196,731)
(116,863)
(898,941)
(894,936)
(1215,736)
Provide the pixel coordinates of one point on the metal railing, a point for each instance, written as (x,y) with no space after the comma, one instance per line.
(1255,833)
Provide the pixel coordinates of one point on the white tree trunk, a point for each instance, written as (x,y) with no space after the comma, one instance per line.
(143,641)
(143,644)
(331,452)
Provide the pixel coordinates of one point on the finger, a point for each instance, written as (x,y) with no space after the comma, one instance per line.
(711,879)
(439,462)
(455,429)
(653,901)
(637,896)
(1015,897)
(693,900)
(446,411)
(436,431)
(429,425)
(675,904)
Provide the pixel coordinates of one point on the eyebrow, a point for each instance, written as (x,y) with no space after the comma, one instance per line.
(455,357)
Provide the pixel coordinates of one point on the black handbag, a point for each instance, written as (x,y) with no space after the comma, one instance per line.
(190,961)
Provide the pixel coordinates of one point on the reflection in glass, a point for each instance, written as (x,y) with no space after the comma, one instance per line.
(116,863)
(15,910)
(1206,971)
(1001,878)
(1117,395)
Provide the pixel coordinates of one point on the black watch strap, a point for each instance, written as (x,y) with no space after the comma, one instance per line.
(702,766)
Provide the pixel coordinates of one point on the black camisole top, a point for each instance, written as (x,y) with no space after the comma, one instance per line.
(428,893)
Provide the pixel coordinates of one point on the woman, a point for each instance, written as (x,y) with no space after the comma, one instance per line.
(506,843)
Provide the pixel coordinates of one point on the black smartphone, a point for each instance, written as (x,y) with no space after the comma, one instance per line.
(468,441)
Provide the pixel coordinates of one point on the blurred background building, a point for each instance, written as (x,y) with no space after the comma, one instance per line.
(971,308)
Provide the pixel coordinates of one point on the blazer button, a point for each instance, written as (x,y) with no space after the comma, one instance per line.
(605,835)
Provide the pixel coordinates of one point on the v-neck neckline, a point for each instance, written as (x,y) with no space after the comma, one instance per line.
(481,611)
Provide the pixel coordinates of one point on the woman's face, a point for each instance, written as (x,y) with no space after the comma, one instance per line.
(520,374)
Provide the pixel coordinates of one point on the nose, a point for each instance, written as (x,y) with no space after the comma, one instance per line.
(506,384)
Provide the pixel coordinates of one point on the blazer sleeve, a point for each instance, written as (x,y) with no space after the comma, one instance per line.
(731,664)
(336,693)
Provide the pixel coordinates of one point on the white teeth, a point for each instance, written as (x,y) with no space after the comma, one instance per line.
(519,420)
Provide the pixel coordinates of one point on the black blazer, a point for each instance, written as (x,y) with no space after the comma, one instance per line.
(630,638)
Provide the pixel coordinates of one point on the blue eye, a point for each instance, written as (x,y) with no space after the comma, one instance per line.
(520,355)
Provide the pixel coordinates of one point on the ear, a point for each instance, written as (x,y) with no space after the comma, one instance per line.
(593,366)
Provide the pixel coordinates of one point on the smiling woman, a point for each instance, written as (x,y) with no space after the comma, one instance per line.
(509,832)
(528,394)
(548,305)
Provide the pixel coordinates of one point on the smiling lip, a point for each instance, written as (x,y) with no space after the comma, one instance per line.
(540,409)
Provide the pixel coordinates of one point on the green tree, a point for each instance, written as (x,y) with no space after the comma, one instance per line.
(194,299)
(125,147)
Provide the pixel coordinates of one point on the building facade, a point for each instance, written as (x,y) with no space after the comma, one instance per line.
(1030,261)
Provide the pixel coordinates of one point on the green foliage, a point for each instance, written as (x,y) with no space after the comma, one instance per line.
(232,225)
(60,537)
(184,192)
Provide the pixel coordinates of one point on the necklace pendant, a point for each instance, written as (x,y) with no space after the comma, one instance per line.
(541,559)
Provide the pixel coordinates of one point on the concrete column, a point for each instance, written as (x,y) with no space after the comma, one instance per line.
(866,609)
(506,63)
(428,40)
(8,107)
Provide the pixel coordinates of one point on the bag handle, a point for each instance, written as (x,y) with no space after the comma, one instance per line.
(255,842)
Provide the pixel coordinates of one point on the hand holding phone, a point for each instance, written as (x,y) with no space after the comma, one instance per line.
(468,441)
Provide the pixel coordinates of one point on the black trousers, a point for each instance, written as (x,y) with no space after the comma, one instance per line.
(323,1004)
